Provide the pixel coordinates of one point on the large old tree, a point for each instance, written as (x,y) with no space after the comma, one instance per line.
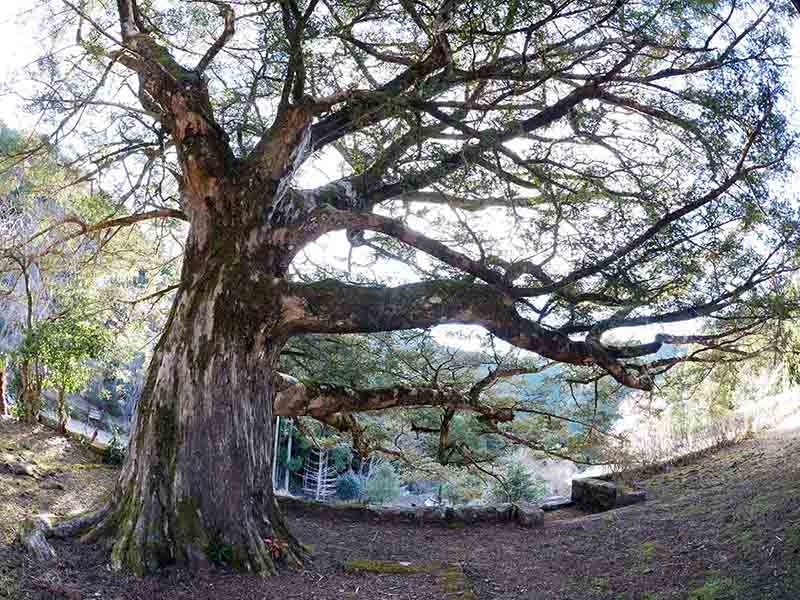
(549,171)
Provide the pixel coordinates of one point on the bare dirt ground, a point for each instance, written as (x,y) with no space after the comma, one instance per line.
(725,527)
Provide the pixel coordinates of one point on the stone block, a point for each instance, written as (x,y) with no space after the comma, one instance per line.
(594,494)
(429,514)
(529,515)
(505,512)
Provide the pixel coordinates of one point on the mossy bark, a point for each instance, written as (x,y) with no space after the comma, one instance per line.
(196,483)
(197,476)
(3,409)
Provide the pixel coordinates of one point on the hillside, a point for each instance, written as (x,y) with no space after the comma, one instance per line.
(725,527)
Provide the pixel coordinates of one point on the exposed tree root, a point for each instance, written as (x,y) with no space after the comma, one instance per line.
(18,468)
(257,554)
(34,532)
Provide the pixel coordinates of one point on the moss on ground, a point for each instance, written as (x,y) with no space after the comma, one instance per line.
(714,588)
(450,576)
(387,567)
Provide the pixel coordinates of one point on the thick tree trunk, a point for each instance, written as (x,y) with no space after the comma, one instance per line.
(196,485)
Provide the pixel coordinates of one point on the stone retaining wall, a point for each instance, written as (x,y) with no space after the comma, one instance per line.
(525,515)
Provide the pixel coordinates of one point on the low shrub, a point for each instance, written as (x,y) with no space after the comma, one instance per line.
(348,487)
(117,450)
(517,485)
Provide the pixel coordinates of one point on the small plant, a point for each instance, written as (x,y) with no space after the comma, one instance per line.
(277,548)
(116,451)
(16,410)
(348,487)
(219,552)
(648,551)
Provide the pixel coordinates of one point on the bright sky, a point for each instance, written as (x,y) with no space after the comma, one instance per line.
(21,42)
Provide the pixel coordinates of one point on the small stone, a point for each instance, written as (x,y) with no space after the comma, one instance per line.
(529,515)
(505,512)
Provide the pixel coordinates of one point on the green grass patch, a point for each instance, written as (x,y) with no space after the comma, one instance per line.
(648,551)
(391,567)
(714,588)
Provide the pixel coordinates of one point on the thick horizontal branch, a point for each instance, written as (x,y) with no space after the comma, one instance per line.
(333,307)
(295,398)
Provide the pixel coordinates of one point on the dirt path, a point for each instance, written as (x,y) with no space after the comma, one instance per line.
(727,527)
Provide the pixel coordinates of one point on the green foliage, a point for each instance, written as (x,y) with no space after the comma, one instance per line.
(63,348)
(383,485)
(340,457)
(16,410)
(517,485)
(462,487)
(348,487)
(116,451)
(219,552)
(714,588)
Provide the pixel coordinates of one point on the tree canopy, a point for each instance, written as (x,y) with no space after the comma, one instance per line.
(555,173)
(588,166)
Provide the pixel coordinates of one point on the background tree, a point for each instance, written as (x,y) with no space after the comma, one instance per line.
(62,348)
(383,485)
(548,172)
(517,486)
(45,276)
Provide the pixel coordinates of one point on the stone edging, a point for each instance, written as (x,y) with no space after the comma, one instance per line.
(524,515)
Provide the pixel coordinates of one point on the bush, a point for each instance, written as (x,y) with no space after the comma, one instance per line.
(348,487)
(518,486)
(383,485)
(116,451)
(461,488)
(15,410)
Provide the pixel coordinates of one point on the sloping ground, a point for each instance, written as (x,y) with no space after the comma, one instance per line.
(67,477)
(725,527)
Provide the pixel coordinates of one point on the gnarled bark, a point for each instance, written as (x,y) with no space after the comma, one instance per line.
(196,485)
